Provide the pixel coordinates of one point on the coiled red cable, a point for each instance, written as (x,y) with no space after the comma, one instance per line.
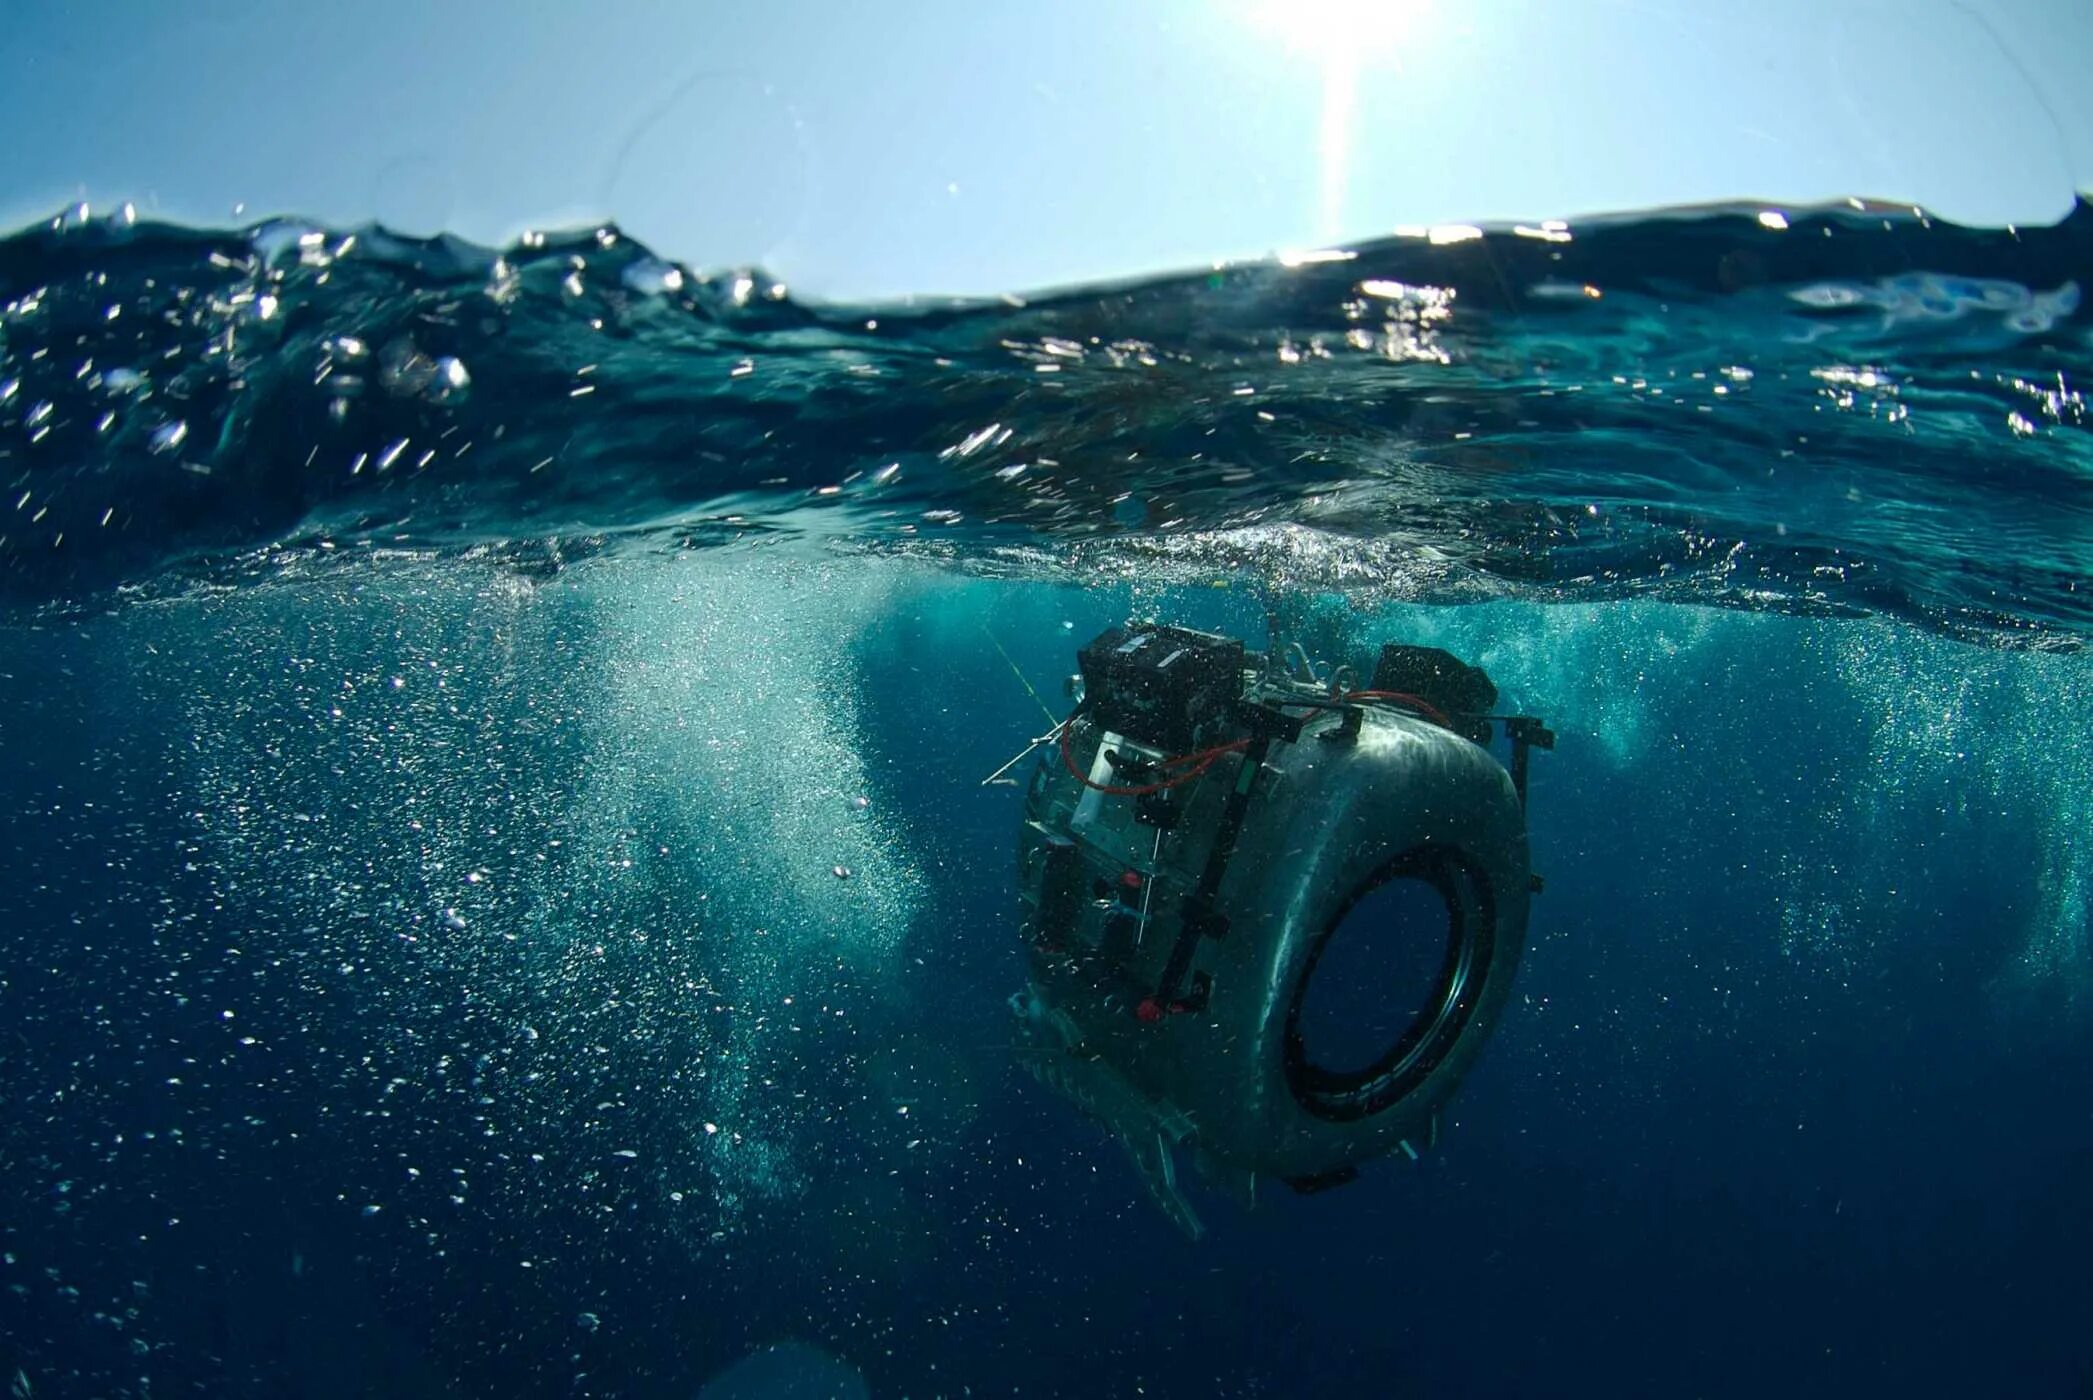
(1425,708)
(1204,759)
(1200,761)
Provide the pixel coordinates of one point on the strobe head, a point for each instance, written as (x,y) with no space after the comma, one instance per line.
(1167,687)
(1461,692)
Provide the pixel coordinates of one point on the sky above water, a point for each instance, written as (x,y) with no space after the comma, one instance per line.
(950,146)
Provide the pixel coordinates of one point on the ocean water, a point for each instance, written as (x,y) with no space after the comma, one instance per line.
(441,687)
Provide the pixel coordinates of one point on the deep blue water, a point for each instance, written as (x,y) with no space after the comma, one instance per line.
(425,971)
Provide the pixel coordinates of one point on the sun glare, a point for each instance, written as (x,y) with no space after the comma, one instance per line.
(1346,39)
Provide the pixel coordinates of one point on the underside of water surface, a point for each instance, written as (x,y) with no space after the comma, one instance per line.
(1847,409)
(504,898)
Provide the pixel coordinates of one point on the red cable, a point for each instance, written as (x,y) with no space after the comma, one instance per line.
(1423,707)
(1204,759)
(1200,761)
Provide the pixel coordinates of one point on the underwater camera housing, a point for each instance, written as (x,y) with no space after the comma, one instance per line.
(1206,829)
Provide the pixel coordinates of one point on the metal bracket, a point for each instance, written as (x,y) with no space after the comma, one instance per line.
(1527,733)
